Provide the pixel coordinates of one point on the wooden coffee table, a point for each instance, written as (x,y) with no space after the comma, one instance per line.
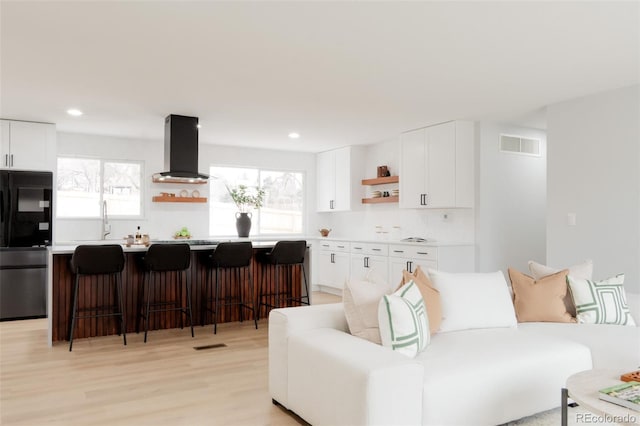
(583,388)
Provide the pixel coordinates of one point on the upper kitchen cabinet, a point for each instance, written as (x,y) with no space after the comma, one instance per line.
(27,145)
(338,174)
(436,166)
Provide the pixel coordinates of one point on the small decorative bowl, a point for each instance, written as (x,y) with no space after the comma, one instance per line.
(324,232)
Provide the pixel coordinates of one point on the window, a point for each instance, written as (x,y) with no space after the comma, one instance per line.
(283,205)
(84,183)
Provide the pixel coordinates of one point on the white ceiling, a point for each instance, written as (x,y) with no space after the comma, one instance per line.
(339,73)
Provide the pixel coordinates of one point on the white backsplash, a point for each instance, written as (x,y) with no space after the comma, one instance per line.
(430,224)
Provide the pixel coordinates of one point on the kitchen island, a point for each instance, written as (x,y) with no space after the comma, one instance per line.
(61,279)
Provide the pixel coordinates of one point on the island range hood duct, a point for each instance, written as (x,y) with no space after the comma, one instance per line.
(181,151)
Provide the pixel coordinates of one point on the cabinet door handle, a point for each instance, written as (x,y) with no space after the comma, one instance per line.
(331,204)
(357,248)
(422,252)
(333,259)
(366,262)
(6,160)
(425,199)
(376,249)
(340,246)
(11,160)
(398,251)
(409,266)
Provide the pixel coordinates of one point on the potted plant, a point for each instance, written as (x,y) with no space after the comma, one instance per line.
(245,200)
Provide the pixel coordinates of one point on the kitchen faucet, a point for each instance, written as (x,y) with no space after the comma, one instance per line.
(106,227)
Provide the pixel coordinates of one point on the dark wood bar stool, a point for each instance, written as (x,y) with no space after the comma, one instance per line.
(90,260)
(284,254)
(160,259)
(235,257)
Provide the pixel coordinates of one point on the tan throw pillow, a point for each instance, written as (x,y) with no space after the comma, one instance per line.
(541,300)
(430,295)
(582,270)
(360,300)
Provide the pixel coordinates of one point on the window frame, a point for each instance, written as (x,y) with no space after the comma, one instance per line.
(256,218)
(101,193)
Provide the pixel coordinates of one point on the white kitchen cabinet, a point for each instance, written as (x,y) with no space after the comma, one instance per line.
(338,175)
(27,145)
(332,265)
(369,261)
(436,166)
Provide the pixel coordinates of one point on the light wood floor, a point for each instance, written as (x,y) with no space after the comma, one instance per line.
(163,382)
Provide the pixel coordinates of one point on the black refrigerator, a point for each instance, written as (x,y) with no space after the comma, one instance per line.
(25,231)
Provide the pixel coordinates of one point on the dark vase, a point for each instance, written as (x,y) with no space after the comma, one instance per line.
(243,224)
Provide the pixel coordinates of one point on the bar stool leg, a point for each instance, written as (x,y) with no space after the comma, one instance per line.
(123,326)
(260,288)
(74,311)
(276,302)
(179,297)
(188,284)
(251,292)
(139,307)
(146,315)
(239,287)
(217,304)
(306,285)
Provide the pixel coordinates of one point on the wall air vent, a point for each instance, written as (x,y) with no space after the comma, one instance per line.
(519,145)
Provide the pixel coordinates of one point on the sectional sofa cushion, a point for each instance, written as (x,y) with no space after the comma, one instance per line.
(582,270)
(404,326)
(360,299)
(430,295)
(473,300)
(600,302)
(542,299)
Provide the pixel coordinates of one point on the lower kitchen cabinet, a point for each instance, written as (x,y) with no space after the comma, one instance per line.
(332,266)
(337,261)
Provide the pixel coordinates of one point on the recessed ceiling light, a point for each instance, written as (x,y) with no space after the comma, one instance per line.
(74,112)
(294,135)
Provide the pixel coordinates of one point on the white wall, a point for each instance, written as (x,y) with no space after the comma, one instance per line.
(510,201)
(360,223)
(593,171)
(161,220)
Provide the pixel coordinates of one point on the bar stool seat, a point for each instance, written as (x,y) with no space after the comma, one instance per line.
(235,257)
(283,254)
(159,259)
(91,260)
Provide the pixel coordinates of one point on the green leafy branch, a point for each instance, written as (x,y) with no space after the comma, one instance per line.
(245,200)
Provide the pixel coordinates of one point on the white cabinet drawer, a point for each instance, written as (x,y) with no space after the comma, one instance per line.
(413,252)
(340,246)
(370,248)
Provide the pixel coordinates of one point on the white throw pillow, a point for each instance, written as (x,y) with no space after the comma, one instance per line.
(582,270)
(600,302)
(404,326)
(474,300)
(360,300)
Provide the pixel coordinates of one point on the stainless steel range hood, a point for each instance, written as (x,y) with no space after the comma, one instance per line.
(181,151)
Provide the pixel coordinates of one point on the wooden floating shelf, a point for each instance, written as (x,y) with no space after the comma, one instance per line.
(165,199)
(178,181)
(381,180)
(380,200)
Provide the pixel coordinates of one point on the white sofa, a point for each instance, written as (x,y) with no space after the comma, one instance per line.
(471,377)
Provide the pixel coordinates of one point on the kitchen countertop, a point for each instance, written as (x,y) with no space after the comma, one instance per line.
(258,242)
(67,247)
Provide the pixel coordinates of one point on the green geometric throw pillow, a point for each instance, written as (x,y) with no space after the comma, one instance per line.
(600,302)
(403,321)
